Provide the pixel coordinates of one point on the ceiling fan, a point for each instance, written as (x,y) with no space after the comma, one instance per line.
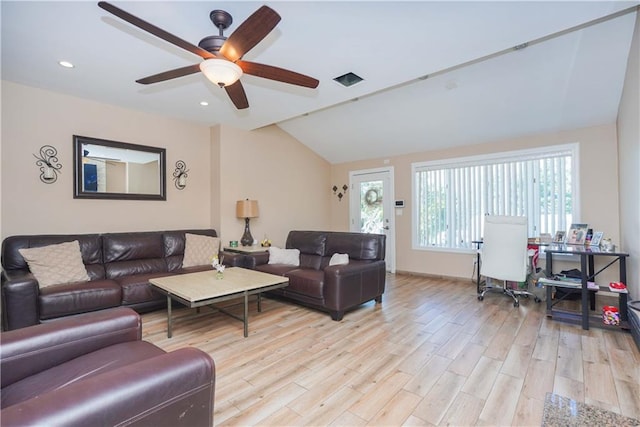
(222,56)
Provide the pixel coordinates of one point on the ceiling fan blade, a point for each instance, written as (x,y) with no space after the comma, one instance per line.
(150,28)
(237,95)
(250,33)
(171,74)
(278,74)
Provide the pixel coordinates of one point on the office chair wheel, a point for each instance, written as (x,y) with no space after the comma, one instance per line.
(516,304)
(536,299)
(480,297)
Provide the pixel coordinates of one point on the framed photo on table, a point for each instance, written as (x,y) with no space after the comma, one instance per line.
(577,234)
(597,237)
(559,237)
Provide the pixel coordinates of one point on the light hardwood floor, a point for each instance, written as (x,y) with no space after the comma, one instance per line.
(430,354)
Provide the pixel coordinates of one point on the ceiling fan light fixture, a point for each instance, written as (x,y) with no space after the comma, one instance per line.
(220,71)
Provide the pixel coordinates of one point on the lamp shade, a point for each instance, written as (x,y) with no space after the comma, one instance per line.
(247,208)
(220,71)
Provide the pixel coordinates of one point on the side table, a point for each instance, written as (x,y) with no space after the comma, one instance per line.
(246,249)
(239,255)
(588,273)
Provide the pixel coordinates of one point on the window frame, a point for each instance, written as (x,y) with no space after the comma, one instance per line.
(489,158)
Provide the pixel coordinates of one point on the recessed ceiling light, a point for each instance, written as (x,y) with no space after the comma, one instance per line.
(204,103)
(66,64)
(451,84)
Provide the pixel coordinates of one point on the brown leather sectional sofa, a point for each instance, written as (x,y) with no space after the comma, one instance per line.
(119,266)
(94,370)
(335,288)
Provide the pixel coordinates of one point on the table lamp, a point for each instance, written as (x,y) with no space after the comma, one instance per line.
(246,209)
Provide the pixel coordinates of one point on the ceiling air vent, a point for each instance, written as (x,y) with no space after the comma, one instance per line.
(348,79)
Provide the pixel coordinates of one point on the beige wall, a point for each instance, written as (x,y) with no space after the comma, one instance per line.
(599,192)
(142,177)
(629,159)
(215,178)
(225,165)
(33,117)
(289,181)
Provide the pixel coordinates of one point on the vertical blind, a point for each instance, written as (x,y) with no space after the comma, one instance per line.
(453,197)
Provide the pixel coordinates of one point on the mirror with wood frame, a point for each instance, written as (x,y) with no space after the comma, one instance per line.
(114,170)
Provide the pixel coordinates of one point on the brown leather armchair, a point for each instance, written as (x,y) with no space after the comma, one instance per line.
(94,369)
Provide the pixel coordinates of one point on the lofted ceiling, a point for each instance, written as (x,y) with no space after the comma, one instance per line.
(436,74)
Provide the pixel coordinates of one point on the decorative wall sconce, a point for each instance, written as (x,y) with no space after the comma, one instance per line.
(48,162)
(180,175)
(341,194)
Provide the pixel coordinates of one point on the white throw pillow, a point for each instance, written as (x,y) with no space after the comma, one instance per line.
(339,259)
(199,250)
(56,264)
(284,256)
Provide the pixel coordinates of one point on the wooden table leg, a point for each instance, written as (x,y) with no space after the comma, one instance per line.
(246,314)
(169,333)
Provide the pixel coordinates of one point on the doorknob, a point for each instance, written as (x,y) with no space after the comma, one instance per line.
(386,227)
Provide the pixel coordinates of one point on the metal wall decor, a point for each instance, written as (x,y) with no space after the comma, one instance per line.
(341,194)
(48,162)
(180,175)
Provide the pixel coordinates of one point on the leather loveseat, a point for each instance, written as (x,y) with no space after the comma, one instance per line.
(94,370)
(331,288)
(119,266)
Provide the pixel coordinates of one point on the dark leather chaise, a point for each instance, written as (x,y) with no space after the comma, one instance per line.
(94,370)
(331,288)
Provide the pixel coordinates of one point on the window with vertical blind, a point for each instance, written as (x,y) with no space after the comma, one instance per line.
(451,197)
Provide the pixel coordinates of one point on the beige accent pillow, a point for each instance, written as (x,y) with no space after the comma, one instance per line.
(339,259)
(56,264)
(284,256)
(199,250)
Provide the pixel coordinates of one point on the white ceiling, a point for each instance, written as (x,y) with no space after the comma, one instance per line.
(558,82)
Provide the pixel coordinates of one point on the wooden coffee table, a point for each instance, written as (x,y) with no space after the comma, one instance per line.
(205,288)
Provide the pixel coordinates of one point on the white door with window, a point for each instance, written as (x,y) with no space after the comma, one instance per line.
(371,206)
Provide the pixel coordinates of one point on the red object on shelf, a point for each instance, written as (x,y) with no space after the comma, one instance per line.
(617,285)
(610,315)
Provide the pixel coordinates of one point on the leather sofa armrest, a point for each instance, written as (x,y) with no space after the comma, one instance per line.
(252,260)
(351,284)
(231,259)
(174,389)
(19,299)
(30,350)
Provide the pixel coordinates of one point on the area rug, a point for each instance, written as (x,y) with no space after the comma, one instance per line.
(562,411)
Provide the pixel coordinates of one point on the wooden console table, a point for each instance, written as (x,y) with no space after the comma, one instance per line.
(587,268)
